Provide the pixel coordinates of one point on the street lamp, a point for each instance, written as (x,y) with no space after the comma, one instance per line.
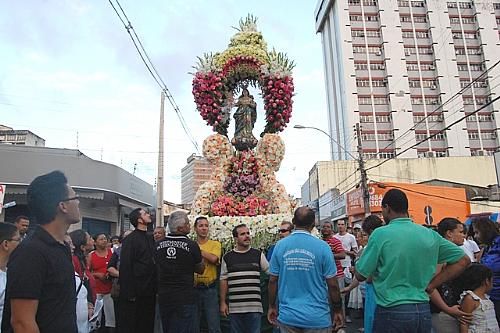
(361,164)
(328,135)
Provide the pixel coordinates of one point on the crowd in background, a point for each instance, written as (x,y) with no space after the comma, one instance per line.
(404,277)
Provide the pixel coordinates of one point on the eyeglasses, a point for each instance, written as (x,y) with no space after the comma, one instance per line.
(281,231)
(70,199)
(14,239)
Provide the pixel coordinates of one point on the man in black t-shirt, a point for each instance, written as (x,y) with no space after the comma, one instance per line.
(41,291)
(177,259)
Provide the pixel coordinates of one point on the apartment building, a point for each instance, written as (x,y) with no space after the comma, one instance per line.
(196,172)
(406,70)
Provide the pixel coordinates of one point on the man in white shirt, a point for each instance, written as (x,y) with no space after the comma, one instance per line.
(351,248)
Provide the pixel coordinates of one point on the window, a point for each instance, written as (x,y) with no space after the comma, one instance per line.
(482,118)
(424,83)
(375,83)
(470,51)
(365,2)
(404,18)
(432,153)
(496,5)
(418,4)
(422,34)
(364,100)
(21,137)
(482,135)
(465,5)
(477,152)
(379,136)
(479,100)
(477,84)
(424,50)
(378,119)
(435,118)
(423,67)
(437,137)
(11,137)
(451,4)
(407,34)
(419,19)
(403,3)
(371,49)
(471,35)
(473,67)
(431,100)
(370,156)
(468,20)
(367,100)
(355,18)
(372,18)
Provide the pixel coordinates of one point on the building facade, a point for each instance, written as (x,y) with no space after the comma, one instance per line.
(395,67)
(9,135)
(196,172)
(107,193)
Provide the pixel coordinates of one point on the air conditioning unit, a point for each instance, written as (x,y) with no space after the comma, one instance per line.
(479,51)
(484,84)
(407,53)
(378,53)
(382,67)
(433,87)
(429,154)
(432,67)
(481,153)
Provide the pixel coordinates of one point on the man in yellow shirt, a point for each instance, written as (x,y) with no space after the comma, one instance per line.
(208,300)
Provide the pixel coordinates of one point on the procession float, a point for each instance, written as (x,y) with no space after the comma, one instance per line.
(243,186)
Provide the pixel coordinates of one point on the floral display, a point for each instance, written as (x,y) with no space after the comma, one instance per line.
(243,178)
(245,62)
(243,187)
(263,228)
(230,205)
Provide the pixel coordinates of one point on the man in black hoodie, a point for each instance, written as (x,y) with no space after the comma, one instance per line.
(137,277)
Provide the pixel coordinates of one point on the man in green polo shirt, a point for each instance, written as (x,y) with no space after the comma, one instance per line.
(401,258)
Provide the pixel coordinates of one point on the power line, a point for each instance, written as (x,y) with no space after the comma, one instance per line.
(435,134)
(152,70)
(460,92)
(353,185)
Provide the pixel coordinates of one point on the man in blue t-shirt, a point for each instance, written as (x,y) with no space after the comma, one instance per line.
(303,274)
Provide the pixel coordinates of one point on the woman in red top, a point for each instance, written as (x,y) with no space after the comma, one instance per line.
(99,260)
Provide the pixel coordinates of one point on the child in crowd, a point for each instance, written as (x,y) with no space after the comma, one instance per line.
(478,280)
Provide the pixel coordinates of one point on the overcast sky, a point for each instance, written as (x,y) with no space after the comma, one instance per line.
(71,75)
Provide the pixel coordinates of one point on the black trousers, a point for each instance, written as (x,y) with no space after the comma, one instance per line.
(137,316)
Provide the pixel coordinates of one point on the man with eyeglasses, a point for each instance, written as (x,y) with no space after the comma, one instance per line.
(137,277)
(40,276)
(240,277)
(285,230)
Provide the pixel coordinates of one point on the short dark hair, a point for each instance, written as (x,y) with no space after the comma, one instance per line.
(304,217)
(7,231)
(112,238)
(397,200)
(235,229)
(199,218)
(447,224)
(487,228)
(21,217)
(99,234)
(474,276)
(371,223)
(44,195)
(134,217)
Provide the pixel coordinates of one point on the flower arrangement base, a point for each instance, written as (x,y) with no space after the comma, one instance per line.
(263,228)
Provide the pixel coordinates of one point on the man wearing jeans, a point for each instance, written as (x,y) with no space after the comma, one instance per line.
(177,259)
(240,277)
(401,258)
(208,301)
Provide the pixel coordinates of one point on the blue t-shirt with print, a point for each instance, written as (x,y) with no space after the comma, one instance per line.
(302,264)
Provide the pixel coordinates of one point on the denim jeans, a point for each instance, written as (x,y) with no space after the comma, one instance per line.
(208,302)
(405,318)
(245,322)
(177,318)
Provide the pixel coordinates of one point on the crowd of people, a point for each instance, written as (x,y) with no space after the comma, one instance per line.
(405,277)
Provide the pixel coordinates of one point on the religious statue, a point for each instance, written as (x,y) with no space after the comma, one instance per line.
(245,117)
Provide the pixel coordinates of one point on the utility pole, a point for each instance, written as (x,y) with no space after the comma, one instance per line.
(159,179)
(362,170)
